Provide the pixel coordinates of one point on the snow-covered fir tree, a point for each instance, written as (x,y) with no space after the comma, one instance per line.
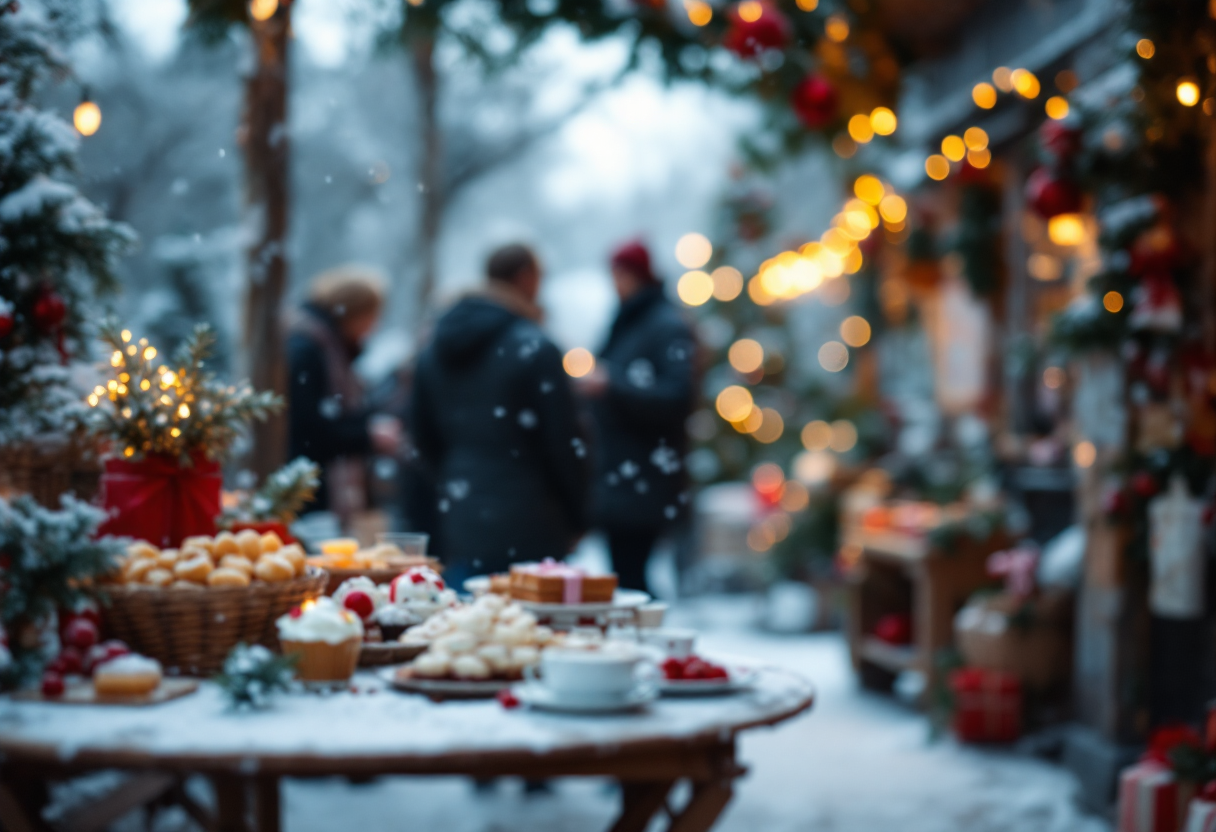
(57,249)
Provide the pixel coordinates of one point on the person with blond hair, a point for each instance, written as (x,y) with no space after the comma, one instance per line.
(328,420)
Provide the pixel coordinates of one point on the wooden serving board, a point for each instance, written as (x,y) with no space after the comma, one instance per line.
(82,693)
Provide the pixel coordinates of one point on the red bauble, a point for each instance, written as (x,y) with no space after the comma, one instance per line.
(1116,503)
(1157,251)
(49,311)
(1145,484)
(507,699)
(70,660)
(894,628)
(81,633)
(52,685)
(815,101)
(748,38)
(6,324)
(1051,196)
(1060,140)
(360,603)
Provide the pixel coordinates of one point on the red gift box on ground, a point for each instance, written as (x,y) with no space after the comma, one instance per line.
(1201,817)
(987,705)
(1148,798)
(159,500)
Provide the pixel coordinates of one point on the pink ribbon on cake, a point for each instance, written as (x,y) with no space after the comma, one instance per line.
(572,578)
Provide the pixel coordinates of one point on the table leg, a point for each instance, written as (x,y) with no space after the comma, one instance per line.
(708,801)
(267,806)
(231,803)
(639,803)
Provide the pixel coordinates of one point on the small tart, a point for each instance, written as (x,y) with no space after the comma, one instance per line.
(127,676)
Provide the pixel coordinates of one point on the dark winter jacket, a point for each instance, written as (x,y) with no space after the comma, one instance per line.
(640,443)
(326,419)
(494,416)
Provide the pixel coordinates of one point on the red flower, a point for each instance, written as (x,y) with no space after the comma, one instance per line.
(815,101)
(748,38)
(1168,738)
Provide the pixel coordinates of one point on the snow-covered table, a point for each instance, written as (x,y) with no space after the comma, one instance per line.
(378,731)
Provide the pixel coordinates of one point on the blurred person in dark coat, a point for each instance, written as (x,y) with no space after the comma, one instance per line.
(328,421)
(642,392)
(495,419)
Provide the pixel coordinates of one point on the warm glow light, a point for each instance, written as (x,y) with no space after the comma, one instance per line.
(149,353)
(757,292)
(728,283)
(695,288)
(746,355)
(833,356)
(883,121)
(1112,301)
(1188,93)
(734,403)
(699,13)
(808,5)
(1002,76)
(145,384)
(183,412)
(693,251)
(860,129)
(1044,267)
(1145,48)
(751,422)
(87,118)
(768,478)
(817,435)
(938,167)
(1066,230)
(953,148)
(126,335)
(844,436)
(1056,107)
(116,359)
(893,208)
(771,428)
(979,158)
(976,138)
(261,10)
(794,496)
(1053,378)
(1084,453)
(836,28)
(1026,83)
(578,362)
(855,331)
(984,96)
(869,189)
(750,11)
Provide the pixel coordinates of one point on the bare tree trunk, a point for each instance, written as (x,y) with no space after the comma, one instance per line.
(267,183)
(430,173)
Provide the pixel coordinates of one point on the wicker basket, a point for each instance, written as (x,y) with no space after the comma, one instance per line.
(193,631)
(46,469)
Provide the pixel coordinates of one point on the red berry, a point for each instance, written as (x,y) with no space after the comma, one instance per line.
(360,603)
(714,671)
(673,669)
(296,612)
(1144,484)
(81,633)
(52,684)
(99,654)
(71,660)
(507,699)
(417,578)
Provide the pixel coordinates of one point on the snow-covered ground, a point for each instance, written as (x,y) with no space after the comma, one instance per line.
(856,763)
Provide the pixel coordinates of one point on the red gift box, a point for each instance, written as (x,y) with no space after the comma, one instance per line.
(1201,817)
(1148,798)
(987,705)
(159,500)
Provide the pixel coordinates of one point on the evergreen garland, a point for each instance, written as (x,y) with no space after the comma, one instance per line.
(252,675)
(281,497)
(179,410)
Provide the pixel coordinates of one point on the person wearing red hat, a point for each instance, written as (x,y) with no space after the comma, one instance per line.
(642,391)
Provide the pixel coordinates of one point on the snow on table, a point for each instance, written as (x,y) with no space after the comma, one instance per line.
(374,722)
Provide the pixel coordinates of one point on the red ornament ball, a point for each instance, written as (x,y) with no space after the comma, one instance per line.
(6,324)
(815,101)
(1116,503)
(1061,140)
(81,633)
(750,34)
(360,603)
(70,660)
(894,628)
(1050,195)
(1145,484)
(52,685)
(49,311)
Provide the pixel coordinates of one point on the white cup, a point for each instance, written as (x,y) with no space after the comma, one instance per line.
(650,616)
(607,674)
(676,644)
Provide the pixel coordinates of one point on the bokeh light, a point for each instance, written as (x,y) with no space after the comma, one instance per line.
(1056,107)
(87,118)
(833,356)
(844,436)
(1112,301)
(1188,93)
(954,148)
(768,478)
(1145,48)
(979,158)
(1002,76)
(1053,378)
(699,13)
(693,251)
(937,167)
(984,96)
(816,435)
(808,5)
(869,189)
(976,138)
(734,403)
(728,283)
(814,467)
(746,355)
(893,208)
(883,121)
(855,331)
(860,129)
(1066,229)
(695,288)
(1084,454)
(578,362)
(771,427)
(750,11)
(1026,83)
(261,10)
(836,28)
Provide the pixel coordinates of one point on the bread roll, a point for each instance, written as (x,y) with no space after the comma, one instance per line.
(293,553)
(239,562)
(143,549)
(227,576)
(271,542)
(273,568)
(207,544)
(195,569)
(250,543)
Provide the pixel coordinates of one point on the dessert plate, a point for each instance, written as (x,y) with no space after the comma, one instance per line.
(536,695)
(438,690)
(378,654)
(740,678)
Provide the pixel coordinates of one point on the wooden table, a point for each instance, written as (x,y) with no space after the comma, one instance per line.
(376,731)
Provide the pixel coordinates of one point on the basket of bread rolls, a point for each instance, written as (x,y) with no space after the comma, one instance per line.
(188,607)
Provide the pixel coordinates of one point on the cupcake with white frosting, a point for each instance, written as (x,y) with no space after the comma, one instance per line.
(421,591)
(326,637)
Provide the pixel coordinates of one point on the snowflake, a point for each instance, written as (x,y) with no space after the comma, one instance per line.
(640,373)
(629,469)
(458,489)
(666,460)
(500,412)
(527,419)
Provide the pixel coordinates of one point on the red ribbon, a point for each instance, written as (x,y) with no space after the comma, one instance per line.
(159,500)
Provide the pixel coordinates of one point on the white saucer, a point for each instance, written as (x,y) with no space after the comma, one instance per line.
(741,678)
(536,695)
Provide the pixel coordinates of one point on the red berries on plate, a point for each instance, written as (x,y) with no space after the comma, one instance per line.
(81,633)
(692,668)
(507,699)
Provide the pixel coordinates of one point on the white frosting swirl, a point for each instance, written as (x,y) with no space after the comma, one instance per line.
(323,620)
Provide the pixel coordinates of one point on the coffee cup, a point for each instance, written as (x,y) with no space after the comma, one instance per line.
(676,644)
(609,674)
(650,616)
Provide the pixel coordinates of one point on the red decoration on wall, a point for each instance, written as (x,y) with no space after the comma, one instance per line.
(815,101)
(748,38)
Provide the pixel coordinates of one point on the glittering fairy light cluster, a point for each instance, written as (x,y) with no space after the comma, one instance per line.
(175,409)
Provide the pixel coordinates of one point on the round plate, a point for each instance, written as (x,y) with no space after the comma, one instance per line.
(389,652)
(440,689)
(741,678)
(538,696)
